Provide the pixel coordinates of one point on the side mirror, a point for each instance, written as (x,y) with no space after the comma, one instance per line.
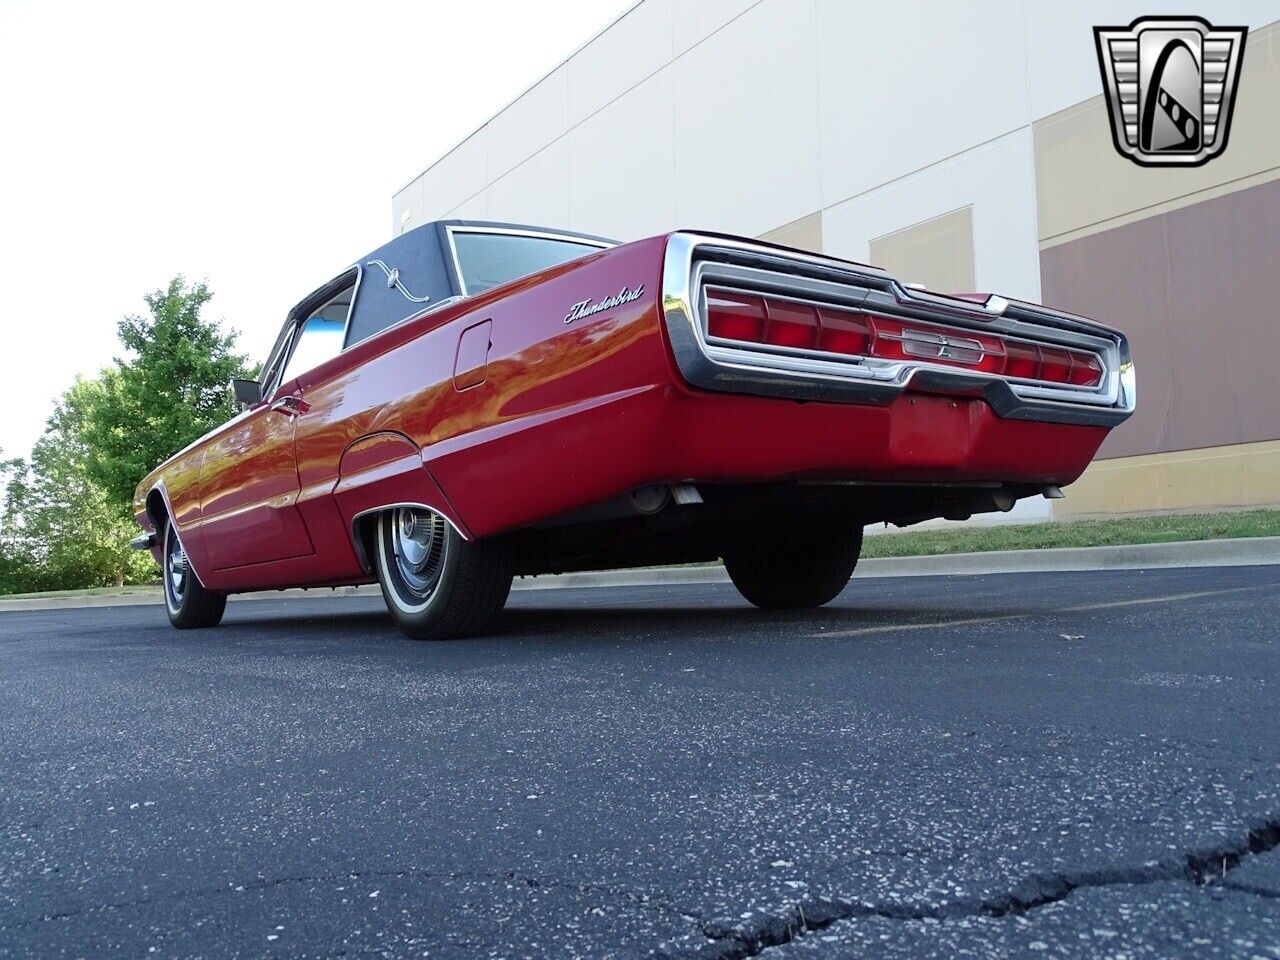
(248,393)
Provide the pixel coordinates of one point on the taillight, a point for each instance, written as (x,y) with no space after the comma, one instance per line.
(760,319)
(1086,369)
(735,316)
(844,331)
(1022,360)
(791,324)
(1055,365)
(901,340)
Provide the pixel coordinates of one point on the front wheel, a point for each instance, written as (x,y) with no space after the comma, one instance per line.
(189,604)
(436,584)
(795,568)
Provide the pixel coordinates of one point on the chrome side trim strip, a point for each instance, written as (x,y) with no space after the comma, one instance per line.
(798,374)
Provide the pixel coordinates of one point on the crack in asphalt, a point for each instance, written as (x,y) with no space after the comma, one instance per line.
(1207,866)
(1202,867)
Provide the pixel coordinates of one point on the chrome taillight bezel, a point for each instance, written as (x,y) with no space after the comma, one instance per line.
(694,260)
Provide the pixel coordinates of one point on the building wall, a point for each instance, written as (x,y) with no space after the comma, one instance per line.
(960,150)
(1184,261)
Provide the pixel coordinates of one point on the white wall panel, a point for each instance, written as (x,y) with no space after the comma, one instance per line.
(476,208)
(695,20)
(621,165)
(458,175)
(746,122)
(528,125)
(997,179)
(633,49)
(906,84)
(408,202)
(536,192)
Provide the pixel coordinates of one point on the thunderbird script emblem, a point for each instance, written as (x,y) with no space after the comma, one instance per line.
(1170,85)
(589,308)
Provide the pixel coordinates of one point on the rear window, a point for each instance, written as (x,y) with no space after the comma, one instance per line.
(488,259)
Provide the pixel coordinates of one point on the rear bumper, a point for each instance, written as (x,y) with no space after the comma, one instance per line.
(663,434)
(805,375)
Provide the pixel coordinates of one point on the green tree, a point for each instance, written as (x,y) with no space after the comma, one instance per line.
(170,389)
(67,516)
(62,529)
(16,565)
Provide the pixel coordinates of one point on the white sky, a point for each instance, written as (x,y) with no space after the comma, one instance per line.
(253,145)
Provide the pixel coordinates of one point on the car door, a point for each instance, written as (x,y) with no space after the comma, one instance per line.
(249,491)
(249,482)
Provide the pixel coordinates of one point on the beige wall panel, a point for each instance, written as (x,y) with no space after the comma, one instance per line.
(1196,291)
(1084,185)
(937,252)
(803,234)
(1246,475)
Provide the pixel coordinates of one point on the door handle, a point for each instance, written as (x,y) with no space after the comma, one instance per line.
(290,405)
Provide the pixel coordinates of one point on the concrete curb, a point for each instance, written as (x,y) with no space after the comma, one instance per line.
(1249,551)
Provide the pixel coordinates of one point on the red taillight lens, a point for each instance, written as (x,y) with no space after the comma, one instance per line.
(1055,365)
(1022,360)
(791,324)
(735,316)
(844,331)
(1086,369)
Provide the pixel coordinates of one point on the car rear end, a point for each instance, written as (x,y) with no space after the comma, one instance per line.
(883,384)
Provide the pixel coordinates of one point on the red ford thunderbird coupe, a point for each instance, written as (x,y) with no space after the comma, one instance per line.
(474,401)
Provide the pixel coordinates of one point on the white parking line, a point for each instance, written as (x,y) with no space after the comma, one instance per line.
(1168,599)
(1082,608)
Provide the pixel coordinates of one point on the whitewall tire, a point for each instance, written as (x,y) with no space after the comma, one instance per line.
(436,584)
(188,603)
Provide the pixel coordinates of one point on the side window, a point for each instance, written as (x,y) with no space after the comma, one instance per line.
(320,339)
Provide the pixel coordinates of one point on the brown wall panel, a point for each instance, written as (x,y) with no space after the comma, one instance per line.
(1198,292)
(803,234)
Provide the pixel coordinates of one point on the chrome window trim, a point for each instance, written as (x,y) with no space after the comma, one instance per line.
(694,258)
(284,351)
(451,230)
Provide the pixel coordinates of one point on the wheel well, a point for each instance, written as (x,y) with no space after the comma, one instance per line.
(156,510)
(364,531)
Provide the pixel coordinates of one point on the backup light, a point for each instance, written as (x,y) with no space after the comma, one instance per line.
(777,322)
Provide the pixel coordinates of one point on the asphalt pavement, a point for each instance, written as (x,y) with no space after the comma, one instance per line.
(1083,764)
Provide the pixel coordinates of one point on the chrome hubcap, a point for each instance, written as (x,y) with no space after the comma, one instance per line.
(176,569)
(419,545)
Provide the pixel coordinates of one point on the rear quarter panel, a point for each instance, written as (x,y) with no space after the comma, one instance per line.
(500,449)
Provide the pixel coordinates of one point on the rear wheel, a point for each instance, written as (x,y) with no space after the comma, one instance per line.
(436,584)
(189,604)
(795,568)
